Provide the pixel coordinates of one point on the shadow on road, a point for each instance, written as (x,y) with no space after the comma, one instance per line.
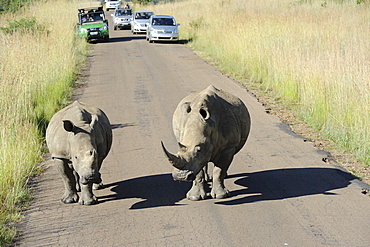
(161,190)
(287,183)
(156,190)
(124,39)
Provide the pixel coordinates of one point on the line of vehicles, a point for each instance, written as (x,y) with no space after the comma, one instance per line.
(92,22)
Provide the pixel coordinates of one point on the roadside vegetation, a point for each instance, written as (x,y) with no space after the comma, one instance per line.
(39,58)
(311,55)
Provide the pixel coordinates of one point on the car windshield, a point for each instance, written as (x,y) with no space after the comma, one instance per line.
(91,16)
(163,22)
(123,12)
(143,15)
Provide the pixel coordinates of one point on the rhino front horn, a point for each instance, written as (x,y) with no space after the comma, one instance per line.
(174,160)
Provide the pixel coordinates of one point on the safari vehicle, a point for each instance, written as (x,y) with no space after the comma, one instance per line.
(122,18)
(91,22)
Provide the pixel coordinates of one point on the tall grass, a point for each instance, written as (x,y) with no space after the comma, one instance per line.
(315,56)
(39,55)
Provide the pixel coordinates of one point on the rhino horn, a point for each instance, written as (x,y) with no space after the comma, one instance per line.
(174,160)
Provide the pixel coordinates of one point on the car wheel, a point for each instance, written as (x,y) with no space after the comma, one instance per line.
(106,38)
(115,27)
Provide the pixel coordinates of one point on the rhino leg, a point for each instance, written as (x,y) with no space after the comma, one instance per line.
(219,190)
(197,191)
(69,179)
(99,185)
(77,179)
(87,196)
(207,176)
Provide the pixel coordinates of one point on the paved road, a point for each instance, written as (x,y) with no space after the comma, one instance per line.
(282,194)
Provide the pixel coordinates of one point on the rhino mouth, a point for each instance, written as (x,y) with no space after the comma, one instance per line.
(181,175)
(91,179)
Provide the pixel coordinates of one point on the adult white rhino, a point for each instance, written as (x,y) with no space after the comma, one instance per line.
(79,138)
(210,126)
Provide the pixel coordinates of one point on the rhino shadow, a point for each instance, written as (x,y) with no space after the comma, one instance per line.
(287,183)
(156,190)
(120,126)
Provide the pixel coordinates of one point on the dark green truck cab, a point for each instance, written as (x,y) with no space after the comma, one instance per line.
(92,23)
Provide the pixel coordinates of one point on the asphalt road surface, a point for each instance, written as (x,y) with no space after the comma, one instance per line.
(282,193)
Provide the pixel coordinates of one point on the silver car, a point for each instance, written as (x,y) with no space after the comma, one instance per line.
(140,20)
(122,18)
(162,28)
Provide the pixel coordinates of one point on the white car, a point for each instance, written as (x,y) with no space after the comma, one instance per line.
(140,20)
(122,18)
(111,4)
(162,28)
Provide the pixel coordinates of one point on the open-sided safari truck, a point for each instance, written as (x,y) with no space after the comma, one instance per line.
(91,21)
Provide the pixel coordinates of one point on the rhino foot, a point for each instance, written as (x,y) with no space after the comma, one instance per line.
(88,201)
(220,193)
(70,198)
(98,186)
(196,193)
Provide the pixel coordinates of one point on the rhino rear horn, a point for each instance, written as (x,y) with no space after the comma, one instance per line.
(174,160)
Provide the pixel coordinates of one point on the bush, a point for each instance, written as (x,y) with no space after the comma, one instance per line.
(24,25)
(12,5)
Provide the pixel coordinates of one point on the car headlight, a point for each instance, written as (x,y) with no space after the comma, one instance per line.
(83,30)
(175,31)
(103,28)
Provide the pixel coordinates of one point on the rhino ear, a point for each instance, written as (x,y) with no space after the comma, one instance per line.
(68,125)
(94,120)
(204,113)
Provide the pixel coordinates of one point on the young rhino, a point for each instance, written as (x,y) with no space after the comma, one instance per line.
(210,126)
(79,138)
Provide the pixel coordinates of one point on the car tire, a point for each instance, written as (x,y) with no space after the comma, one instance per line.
(115,28)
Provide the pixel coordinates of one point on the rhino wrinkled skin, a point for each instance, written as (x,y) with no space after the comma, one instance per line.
(210,126)
(79,138)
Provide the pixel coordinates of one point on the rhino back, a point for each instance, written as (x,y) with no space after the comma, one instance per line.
(58,139)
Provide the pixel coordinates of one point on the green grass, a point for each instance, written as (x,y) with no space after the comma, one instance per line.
(39,59)
(313,55)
